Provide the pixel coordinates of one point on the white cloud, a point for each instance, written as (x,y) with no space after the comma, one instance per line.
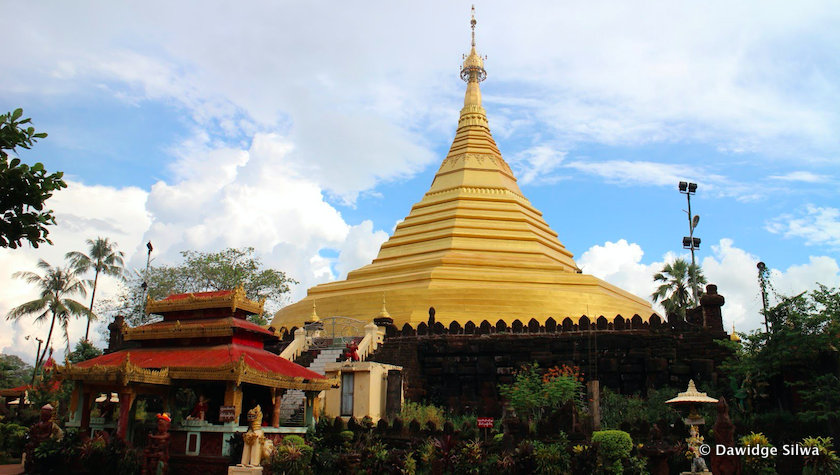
(82,212)
(815,224)
(640,172)
(536,164)
(732,269)
(620,263)
(222,197)
(801,176)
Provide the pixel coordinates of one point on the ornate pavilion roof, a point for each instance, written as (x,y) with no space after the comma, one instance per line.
(235,300)
(231,362)
(473,247)
(204,336)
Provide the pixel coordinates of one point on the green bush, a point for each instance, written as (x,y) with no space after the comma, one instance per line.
(756,464)
(552,458)
(827,462)
(294,440)
(291,459)
(423,413)
(12,439)
(614,447)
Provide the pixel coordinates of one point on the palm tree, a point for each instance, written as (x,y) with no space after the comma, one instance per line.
(103,258)
(675,291)
(55,285)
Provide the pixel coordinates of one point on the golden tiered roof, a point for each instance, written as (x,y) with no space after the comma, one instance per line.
(474,248)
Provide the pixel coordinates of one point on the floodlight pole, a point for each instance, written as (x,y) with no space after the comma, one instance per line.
(688,189)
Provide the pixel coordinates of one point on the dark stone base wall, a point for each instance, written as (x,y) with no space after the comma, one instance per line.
(462,371)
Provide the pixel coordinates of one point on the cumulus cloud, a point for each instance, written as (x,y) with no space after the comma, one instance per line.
(731,268)
(817,225)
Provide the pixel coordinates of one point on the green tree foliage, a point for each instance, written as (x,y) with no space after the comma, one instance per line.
(207,271)
(56,286)
(103,258)
(83,351)
(534,393)
(675,288)
(23,189)
(795,366)
(14,371)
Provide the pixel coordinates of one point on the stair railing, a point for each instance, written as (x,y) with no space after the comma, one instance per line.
(298,345)
(374,336)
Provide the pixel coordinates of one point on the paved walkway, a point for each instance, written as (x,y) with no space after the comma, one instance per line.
(15,469)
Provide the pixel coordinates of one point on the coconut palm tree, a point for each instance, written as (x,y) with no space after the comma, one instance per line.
(104,258)
(675,291)
(56,286)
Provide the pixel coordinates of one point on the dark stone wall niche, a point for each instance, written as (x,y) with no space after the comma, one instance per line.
(462,370)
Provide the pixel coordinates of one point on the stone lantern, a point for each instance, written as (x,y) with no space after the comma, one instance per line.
(691,398)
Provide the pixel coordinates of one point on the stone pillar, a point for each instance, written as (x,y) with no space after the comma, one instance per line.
(711,302)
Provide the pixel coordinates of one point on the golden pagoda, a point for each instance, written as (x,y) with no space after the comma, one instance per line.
(474,248)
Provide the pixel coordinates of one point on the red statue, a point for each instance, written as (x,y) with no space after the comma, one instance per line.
(724,431)
(351,353)
(199,412)
(156,454)
(43,430)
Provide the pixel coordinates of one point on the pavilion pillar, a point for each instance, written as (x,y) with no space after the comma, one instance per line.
(84,423)
(75,402)
(277,398)
(233,397)
(309,409)
(126,401)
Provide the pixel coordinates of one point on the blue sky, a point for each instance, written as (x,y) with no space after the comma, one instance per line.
(309,130)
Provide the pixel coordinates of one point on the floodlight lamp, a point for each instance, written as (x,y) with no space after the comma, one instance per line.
(692,187)
(686,242)
(696,243)
(683,186)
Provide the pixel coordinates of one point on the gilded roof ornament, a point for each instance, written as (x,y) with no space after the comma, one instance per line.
(383,313)
(473,68)
(314,316)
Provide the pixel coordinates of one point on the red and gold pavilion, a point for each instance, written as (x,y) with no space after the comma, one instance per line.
(204,344)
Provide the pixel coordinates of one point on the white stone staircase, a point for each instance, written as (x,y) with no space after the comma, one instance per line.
(291,406)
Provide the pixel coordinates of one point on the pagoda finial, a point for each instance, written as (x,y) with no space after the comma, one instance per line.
(473,68)
(384,312)
(472,25)
(314,316)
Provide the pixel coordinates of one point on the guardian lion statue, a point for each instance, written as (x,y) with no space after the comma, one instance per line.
(256,446)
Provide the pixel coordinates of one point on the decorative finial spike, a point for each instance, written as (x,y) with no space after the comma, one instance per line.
(472,25)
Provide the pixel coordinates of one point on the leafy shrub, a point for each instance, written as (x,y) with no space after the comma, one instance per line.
(552,458)
(293,439)
(291,459)
(533,392)
(423,414)
(827,462)
(614,447)
(12,439)
(755,464)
